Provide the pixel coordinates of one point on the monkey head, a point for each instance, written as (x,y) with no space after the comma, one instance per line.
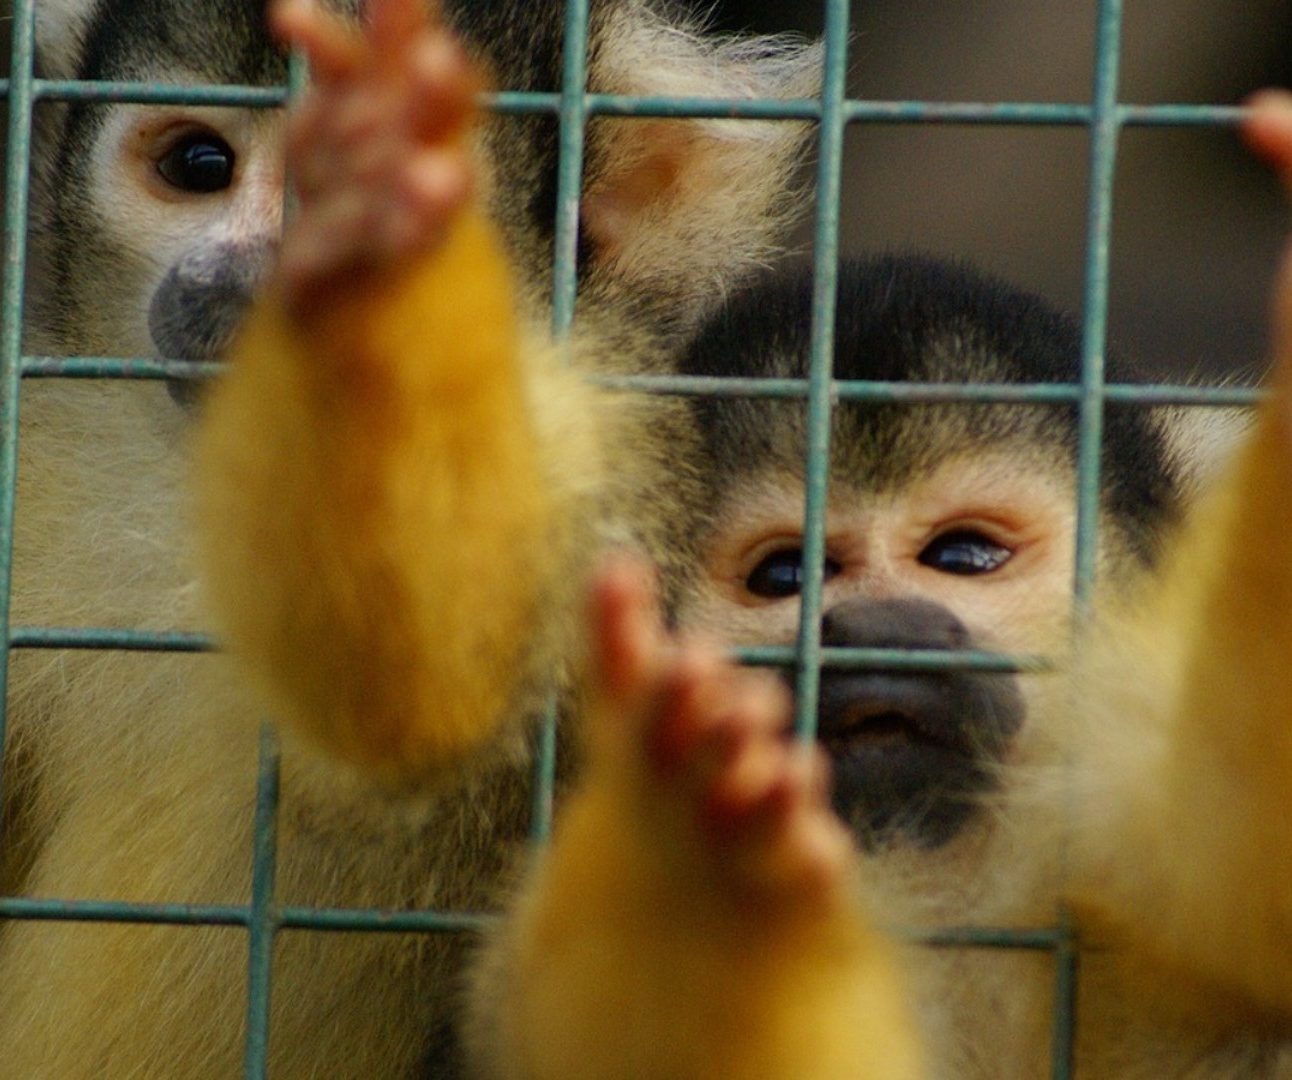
(153,223)
(948,527)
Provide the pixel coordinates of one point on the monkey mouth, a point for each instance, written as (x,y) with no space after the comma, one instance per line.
(912,754)
(878,713)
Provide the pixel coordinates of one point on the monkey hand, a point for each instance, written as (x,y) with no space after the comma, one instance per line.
(376,147)
(705,758)
(694,915)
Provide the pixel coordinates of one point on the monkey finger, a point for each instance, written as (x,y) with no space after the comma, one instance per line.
(334,49)
(626,632)
(434,185)
(694,729)
(808,853)
(1268,130)
(328,240)
(750,782)
(443,88)
(749,793)
(393,26)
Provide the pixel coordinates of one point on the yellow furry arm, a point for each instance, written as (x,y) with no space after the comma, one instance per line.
(1198,858)
(1230,769)
(371,508)
(614,968)
(696,914)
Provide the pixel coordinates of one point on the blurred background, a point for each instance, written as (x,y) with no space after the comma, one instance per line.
(1197,225)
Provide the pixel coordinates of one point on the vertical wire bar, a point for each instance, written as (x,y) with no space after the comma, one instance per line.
(1104,131)
(569,168)
(820,401)
(1066,960)
(263,921)
(565,283)
(16,201)
(263,918)
(544,794)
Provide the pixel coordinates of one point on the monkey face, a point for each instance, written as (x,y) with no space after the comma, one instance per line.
(977,555)
(949,526)
(152,222)
(186,205)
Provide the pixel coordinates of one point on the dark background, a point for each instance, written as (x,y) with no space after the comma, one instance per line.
(1197,225)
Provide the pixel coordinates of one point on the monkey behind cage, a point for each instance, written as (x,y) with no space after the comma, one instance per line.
(1103,118)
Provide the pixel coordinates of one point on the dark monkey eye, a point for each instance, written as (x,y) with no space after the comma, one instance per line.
(964,552)
(780,574)
(201,162)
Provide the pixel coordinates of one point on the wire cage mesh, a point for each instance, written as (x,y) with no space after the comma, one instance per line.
(1103,118)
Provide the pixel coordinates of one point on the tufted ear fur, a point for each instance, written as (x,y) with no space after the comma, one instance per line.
(683,209)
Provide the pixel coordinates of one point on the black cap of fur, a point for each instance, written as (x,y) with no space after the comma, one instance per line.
(915,319)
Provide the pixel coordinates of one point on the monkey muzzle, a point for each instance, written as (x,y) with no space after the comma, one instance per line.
(200,303)
(912,753)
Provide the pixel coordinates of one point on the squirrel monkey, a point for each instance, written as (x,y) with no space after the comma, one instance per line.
(131,777)
(711,884)
(944,532)
(1180,966)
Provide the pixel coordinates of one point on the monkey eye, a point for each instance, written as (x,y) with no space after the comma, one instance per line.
(780,574)
(964,551)
(199,162)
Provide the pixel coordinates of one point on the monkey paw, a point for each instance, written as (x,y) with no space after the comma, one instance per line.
(376,146)
(729,799)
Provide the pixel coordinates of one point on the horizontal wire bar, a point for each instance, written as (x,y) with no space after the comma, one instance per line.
(1055,114)
(342,919)
(922,392)
(116,367)
(105,638)
(985,937)
(112,92)
(21,907)
(109,367)
(892,659)
(375,919)
(621,105)
(53,637)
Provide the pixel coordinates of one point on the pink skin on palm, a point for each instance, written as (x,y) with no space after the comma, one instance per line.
(714,737)
(376,147)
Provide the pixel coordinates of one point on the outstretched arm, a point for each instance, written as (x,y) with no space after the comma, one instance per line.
(371,505)
(1197,863)
(695,915)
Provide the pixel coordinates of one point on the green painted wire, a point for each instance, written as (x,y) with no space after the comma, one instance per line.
(1104,132)
(16,198)
(820,400)
(572,111)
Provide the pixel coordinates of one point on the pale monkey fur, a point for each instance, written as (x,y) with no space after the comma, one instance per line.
(131,777)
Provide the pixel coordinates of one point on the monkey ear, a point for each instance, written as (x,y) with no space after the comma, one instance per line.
(682,209)
(60,35)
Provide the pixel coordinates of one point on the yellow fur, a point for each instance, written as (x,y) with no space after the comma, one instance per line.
(1206,681)
(628,965)
(371,495)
